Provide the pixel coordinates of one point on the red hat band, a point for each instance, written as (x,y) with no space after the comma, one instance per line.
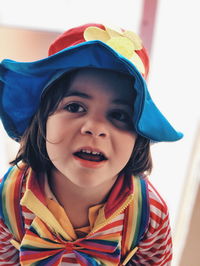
(127,43)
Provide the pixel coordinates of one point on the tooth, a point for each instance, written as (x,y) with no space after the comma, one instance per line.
(95,152)
(86,151)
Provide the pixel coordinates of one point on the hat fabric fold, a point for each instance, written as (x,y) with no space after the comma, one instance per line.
(21,84)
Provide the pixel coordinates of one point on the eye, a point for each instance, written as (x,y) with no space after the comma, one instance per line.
(120,115)
(74,108)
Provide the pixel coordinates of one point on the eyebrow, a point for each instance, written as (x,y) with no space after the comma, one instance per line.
(79,94)
(86,96)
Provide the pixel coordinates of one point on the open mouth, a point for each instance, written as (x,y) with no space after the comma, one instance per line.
(88,155)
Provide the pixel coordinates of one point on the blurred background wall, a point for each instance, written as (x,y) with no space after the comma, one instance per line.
(169,29)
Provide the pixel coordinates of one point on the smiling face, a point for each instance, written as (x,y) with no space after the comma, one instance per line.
(90,136)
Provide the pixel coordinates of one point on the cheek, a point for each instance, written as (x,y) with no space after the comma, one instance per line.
(54,138)
(127,144)
(54,129)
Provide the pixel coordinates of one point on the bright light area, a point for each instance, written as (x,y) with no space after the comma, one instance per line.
(59,15)
(174,83)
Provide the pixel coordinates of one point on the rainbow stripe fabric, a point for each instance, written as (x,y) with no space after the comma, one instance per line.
(10,189)
(112,241)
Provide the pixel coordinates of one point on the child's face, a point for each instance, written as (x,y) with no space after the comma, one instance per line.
(95,115)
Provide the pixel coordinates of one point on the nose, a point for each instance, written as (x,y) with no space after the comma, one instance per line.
(94,128)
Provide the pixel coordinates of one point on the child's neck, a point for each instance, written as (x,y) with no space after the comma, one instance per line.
(77,200)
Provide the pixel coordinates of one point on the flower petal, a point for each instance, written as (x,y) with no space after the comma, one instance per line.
(94,33)
(134,38)
(135,59)
(122,45)
(114,32)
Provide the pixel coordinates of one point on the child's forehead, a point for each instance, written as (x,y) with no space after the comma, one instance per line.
(105,81)
(104,74)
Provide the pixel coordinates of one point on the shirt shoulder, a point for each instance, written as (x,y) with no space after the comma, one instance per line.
(155,248)
(159,214)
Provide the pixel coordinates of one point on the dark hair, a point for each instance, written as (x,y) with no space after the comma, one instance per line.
(33,143)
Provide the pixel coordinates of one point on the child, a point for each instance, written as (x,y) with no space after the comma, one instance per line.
(78,191)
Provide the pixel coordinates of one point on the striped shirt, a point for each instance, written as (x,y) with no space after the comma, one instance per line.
(154,249)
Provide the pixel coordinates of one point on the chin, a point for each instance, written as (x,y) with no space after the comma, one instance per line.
(88,181)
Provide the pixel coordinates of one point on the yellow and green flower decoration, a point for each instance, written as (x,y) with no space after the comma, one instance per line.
(124,42)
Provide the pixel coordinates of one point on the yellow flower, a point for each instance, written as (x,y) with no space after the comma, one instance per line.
(124,42)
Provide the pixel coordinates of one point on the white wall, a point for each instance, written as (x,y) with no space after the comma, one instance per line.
(174,82)
(60,14)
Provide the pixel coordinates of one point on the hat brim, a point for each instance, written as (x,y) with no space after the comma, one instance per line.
(22,83)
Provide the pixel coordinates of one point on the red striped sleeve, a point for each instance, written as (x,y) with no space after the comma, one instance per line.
(156,246)
(8,254)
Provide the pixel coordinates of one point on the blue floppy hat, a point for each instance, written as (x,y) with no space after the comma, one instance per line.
(90,45)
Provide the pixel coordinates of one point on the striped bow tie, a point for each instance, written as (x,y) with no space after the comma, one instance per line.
(41,247)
